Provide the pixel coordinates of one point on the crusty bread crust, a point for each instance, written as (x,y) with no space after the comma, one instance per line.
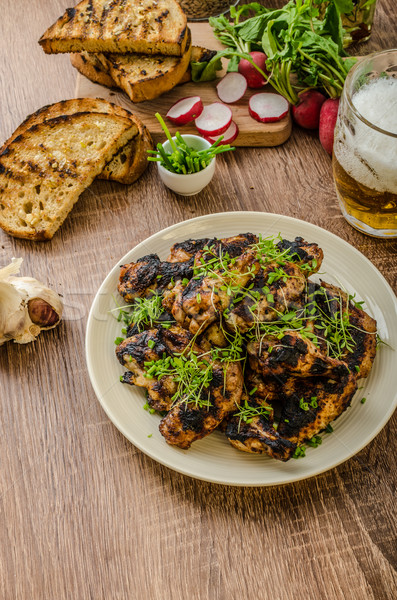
(68,107)
(143,26)
(44,170)
(131,161)
(88,65)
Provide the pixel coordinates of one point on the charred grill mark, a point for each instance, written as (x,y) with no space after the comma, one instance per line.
(260,438)
(300,418)
(236,245)
(70,13)
(191,419)
(137,277)
(136,348)
(182,35)
(190,246)
(175,271)
(162,16)
(127,378)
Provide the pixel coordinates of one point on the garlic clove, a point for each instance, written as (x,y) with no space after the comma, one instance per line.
(26,306)
(48,313)
(42,313)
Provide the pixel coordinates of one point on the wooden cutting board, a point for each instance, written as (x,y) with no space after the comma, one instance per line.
(251,132)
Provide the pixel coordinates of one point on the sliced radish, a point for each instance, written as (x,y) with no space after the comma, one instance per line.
(267,108)
(214,119)
(185,110)
(228,137)
(231,87)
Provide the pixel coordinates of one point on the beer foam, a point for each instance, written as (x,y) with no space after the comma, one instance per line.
(366,154)
(376,101)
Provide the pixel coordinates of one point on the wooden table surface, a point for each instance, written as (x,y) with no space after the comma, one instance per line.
(83,513)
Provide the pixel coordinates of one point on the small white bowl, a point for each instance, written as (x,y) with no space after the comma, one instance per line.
(192,183)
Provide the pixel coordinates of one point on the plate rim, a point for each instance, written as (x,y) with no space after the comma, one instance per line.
(185,223)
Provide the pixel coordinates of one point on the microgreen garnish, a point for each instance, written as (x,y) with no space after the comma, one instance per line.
(192,374)
(184,159)
(246,412)
(143,312)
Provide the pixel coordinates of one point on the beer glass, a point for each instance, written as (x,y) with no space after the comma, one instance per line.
(365,146)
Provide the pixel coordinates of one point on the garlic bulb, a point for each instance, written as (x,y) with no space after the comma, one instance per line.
(26,306)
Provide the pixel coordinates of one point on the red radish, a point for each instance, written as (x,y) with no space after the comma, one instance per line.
(252,75)
(228,137)
(267,108)
(328,115)
(231,87)
(185,110)
(307,112)
(214,119)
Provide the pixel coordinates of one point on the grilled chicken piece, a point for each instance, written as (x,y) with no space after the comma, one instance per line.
(303,253)
(134,351)
(259,437)
(311,404)
(148,274)
(264,301)
(287,276)
(203,300)
(332,300)
(291,354)
(229,247)
(188,422)
(183,251)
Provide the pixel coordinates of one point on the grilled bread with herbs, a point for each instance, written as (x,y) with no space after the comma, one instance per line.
(144,26)
(44,170)
(128,164)
(146,77)
(91,66)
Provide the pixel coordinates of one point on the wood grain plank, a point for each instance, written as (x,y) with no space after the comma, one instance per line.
(84,514)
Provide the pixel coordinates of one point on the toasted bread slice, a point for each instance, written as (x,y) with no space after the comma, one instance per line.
(129,162)
(44,170)
(144,26)
(146,77)
(90,65)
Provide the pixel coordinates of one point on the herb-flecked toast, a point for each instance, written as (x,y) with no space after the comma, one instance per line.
(144,26)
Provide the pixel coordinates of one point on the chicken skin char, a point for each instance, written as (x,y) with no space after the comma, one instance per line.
(259,437)
(310,405)
(149,274)
(362,328)
(147,346)
(188,422)
(291,353)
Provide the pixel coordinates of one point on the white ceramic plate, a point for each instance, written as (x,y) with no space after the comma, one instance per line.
(213,458)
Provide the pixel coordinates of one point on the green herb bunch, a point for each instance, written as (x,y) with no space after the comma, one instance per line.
(183,159)
(303,51)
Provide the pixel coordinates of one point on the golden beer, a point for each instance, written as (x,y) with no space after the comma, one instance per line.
(377,210)
(365,146)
